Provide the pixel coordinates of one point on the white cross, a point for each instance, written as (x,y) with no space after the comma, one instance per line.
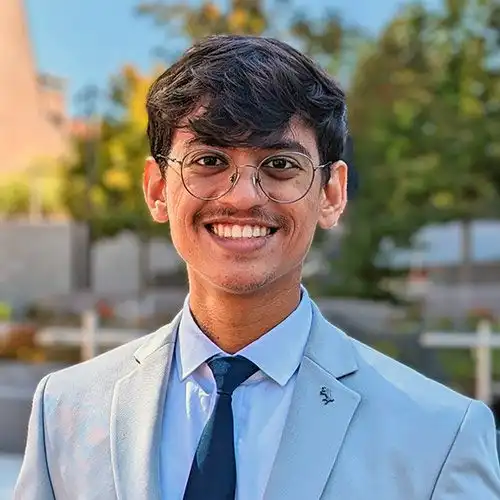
(483,341)
(90,337)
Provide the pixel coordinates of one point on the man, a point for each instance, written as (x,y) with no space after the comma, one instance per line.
(250,393)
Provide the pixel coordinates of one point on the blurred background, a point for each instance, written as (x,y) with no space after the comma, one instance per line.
(414,269)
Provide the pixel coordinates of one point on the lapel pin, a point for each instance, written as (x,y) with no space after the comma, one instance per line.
(326,395)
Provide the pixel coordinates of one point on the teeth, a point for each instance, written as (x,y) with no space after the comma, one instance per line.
(236,231)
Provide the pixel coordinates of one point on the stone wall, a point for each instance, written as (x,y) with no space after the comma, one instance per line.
(46,259)
(38,260)
(116,263)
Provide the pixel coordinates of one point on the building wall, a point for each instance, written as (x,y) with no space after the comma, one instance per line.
(480,273)
(55,128)
(26,130)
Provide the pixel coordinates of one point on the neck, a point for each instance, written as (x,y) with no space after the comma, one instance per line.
(233,321)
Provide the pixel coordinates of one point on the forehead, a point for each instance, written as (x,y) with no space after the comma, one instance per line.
(298,137)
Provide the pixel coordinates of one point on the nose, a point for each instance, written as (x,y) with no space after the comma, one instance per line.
(245,192)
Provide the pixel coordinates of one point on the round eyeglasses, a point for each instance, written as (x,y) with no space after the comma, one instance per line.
(284,177)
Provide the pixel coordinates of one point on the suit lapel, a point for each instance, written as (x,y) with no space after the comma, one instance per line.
(136,418)
(319,416)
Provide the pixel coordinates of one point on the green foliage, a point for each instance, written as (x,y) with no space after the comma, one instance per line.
(387,347)
(5,311)
(208,18)
(14,198)
(35,191)
(423,106)
(334,43)
(117,157)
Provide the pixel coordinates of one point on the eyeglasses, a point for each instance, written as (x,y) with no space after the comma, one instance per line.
(284,177)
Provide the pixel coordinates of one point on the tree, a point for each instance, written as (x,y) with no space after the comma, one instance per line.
(333,42)
(330,39)
(33,192)
(121,148)
(14,198)
(382,105)
(420,129)
(192,22)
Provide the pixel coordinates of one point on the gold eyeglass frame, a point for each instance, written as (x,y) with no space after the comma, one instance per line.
(255,178)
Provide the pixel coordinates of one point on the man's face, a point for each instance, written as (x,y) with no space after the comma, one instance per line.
(207,234)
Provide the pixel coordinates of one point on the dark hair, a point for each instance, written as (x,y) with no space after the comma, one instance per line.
(250,88)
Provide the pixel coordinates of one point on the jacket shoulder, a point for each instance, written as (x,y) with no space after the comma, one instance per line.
(99,374)
(389,373)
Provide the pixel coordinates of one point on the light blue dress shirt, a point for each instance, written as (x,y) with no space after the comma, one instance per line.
(260,405)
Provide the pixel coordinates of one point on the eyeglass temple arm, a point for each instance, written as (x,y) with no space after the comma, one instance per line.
(325,165)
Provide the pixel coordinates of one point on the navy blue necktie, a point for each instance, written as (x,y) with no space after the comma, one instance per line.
(213,471)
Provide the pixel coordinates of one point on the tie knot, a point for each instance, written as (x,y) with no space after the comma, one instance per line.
(229,372)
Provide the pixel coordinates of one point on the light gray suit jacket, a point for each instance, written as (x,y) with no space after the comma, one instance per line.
(361,426)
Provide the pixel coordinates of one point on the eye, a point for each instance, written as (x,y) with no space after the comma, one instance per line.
(281,163)
(210,161)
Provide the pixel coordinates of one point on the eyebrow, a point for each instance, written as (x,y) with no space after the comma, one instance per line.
(288,145)
(281,145)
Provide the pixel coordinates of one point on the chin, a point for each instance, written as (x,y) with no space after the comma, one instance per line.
(242,283)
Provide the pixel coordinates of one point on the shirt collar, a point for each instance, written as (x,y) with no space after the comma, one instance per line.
(277,353)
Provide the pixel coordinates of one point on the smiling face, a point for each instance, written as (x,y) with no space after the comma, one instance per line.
(243,241)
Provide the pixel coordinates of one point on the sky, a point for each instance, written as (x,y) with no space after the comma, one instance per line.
(87,41)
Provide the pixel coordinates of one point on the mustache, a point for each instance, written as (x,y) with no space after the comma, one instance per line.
(255,212)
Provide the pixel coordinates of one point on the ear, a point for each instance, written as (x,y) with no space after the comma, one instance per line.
(333,196)
(153,185)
